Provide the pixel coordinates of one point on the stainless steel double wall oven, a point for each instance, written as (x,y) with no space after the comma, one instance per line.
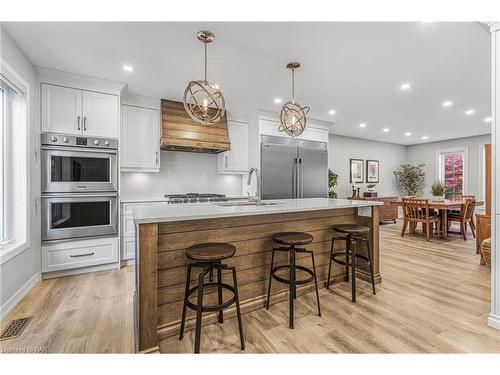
(79,186)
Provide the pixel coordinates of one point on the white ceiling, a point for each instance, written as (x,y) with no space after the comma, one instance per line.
(355,68)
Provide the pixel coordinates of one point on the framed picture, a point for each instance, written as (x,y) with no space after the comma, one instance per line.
(356,170)
(372,172)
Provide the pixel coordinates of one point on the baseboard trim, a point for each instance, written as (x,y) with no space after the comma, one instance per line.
(494,321)
(12,302)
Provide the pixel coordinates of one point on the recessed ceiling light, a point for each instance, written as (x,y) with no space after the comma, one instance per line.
(362,125)
(425,137)
(407,134)
(128,68)
(385,130)
(447,103)
(469,112)
(405,86)
(277,101)
(332,112)
(487,119)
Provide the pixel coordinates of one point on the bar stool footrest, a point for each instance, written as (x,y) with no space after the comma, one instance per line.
(287,281)
(365,261)
(212,308)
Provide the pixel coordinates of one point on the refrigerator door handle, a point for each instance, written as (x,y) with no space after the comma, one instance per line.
(301,164)
(294,178)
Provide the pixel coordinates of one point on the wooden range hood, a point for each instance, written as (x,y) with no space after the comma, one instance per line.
(180,133)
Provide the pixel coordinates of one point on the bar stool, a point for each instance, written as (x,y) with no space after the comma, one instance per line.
(291,240)
(354,238)
(208,257)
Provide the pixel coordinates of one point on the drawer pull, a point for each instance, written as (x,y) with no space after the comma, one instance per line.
(82,255)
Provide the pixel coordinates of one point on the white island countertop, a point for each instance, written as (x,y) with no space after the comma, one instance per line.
(164,212)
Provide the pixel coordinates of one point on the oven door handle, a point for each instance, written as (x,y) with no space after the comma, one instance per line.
(73,195)
(71,149)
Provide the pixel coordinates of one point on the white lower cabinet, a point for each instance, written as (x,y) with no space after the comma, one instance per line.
(127,244)
(79,253)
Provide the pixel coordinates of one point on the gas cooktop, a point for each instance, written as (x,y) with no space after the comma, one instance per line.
(195,198)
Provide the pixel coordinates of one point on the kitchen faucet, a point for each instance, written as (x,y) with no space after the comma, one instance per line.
(249,181)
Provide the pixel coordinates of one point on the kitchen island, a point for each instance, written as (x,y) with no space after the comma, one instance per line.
(164,231)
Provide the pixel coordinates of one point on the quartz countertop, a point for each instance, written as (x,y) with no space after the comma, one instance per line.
(164,212)
(163,199)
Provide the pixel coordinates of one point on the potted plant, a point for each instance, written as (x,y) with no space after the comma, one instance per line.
(332,181)
(438,191)
(410,179)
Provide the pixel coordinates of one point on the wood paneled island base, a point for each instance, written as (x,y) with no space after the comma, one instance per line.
(161,262)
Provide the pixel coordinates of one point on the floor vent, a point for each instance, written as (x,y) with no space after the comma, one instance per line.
(15,328)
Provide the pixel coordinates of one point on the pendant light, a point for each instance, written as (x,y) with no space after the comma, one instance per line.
(203,101)
(292,115)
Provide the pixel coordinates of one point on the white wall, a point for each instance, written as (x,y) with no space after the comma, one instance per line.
(389,155)
(426,153)
(180,172)
(20,273)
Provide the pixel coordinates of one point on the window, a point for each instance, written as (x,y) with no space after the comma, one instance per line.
(452,170)
(13,166)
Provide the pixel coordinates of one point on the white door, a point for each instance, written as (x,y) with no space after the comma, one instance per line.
(61,109)
(140,139)
(100,114)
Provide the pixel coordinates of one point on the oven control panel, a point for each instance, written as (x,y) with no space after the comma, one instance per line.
(75,141)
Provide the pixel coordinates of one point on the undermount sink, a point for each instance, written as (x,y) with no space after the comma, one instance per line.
(245,203)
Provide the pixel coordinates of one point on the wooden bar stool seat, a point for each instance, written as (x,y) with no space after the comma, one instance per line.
(213,251)
(355,236)
(291,240)
(208,257)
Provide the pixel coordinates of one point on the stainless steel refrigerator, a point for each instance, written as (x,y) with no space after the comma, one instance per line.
(293,168)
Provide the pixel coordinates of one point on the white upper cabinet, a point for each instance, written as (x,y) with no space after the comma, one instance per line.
(61,109)
(100,114)
(235,161)
(79,112)
(140,139)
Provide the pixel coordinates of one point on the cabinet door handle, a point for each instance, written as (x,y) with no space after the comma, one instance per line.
(78,122)
(82,255)
(225,161)
(85,123)
(156,157)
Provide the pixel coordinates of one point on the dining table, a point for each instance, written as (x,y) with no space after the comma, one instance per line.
(443,206)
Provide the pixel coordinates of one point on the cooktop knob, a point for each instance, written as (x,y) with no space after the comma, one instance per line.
(96,142)
(65,139)
(53,139)
(106,143)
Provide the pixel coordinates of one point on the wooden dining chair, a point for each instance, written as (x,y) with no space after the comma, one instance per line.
(416,211)
(466,216)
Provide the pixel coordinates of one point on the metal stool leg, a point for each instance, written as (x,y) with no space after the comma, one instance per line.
(292,282)
(199,304)
(371,265)
(238,312)
(270,278)
(353,269)
(348,254)
(184,308)
(329,265)
(316,281)
(219,292)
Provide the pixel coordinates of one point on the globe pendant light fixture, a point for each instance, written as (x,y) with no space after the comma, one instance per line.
(203,100)
(293,115)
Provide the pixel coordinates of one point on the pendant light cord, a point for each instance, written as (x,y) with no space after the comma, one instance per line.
(293,85)
(205,62)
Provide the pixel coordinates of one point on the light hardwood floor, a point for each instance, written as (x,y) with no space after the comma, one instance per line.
(434,298)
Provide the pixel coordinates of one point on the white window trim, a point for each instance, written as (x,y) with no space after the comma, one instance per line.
(14,248)
(481,175)
(465,150)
